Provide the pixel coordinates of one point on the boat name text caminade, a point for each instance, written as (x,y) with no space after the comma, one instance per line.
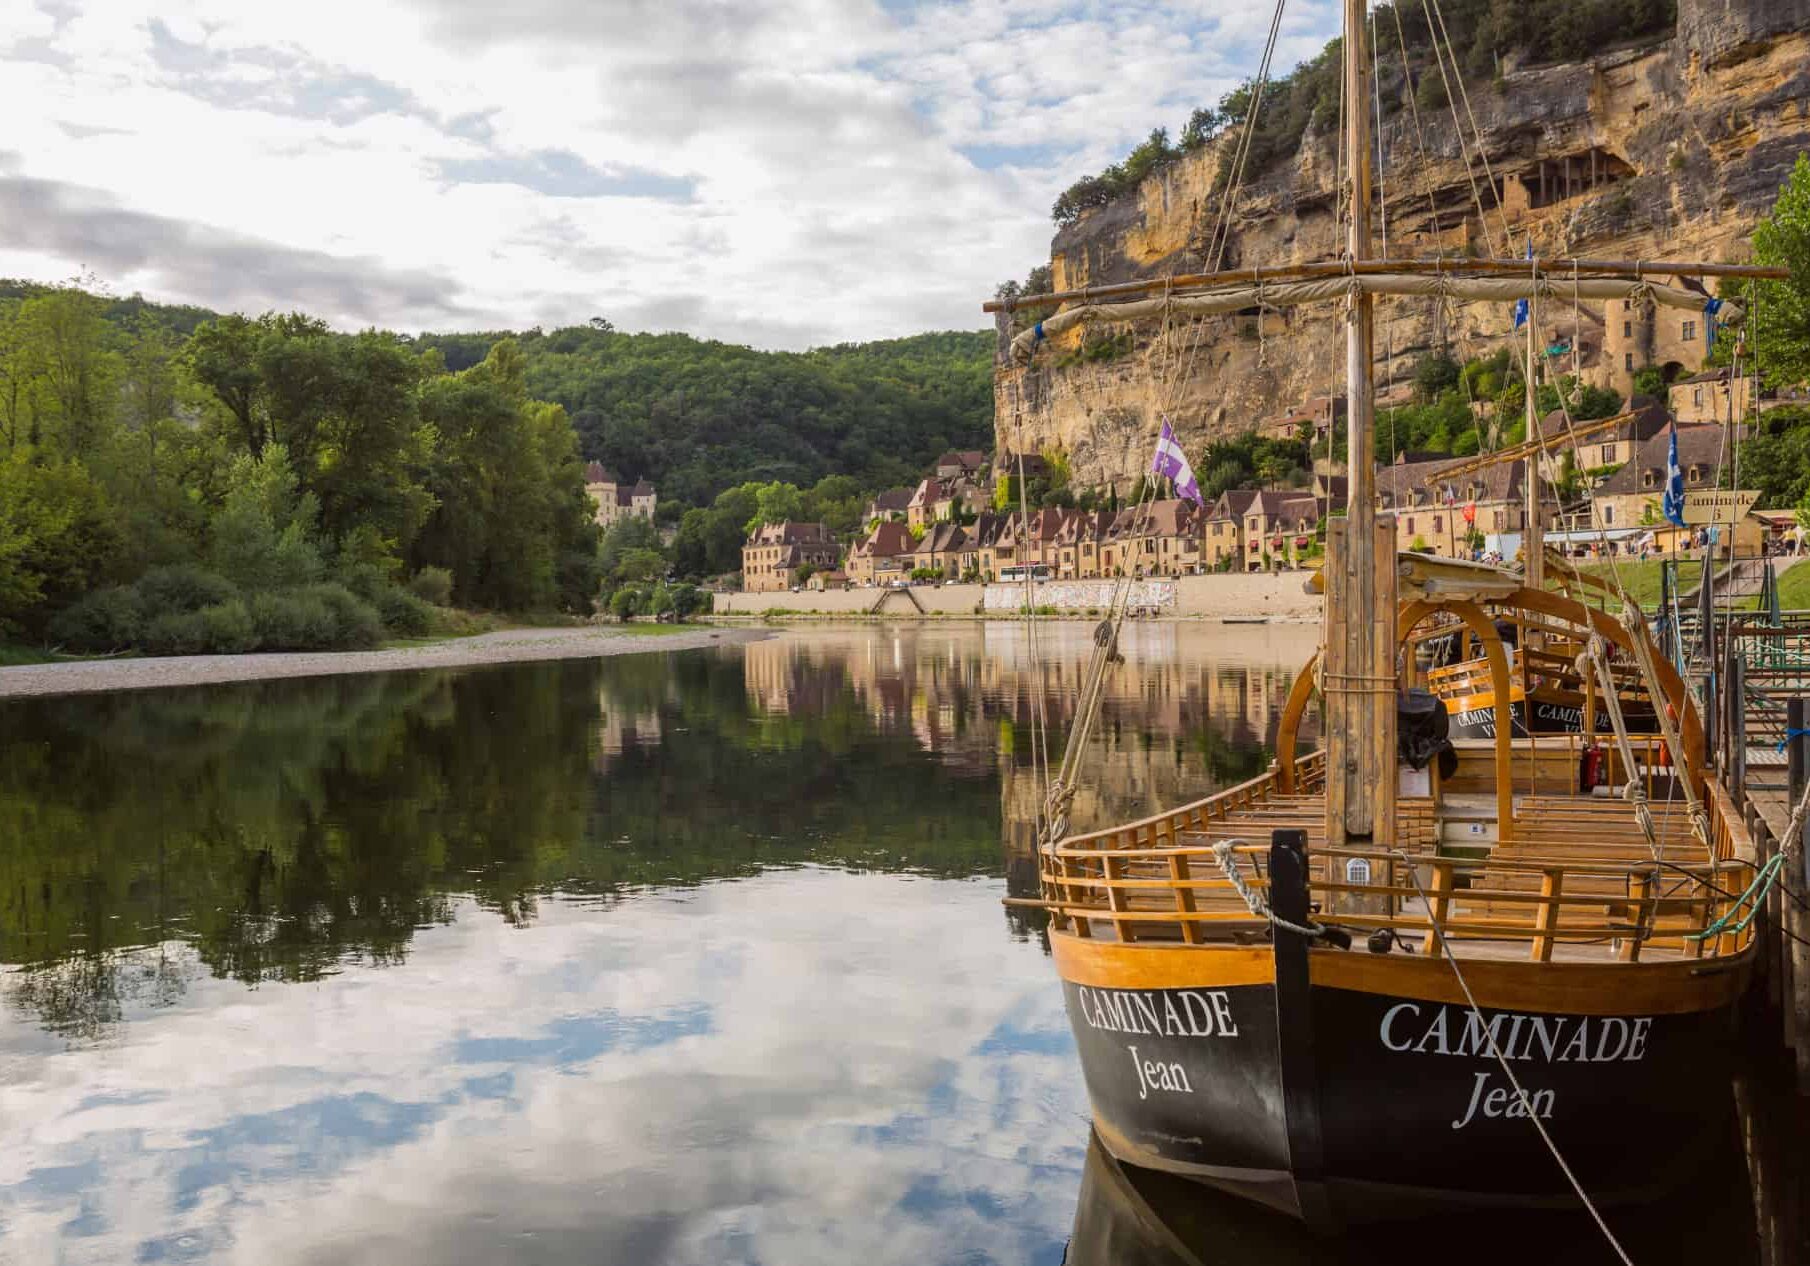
(1549,1039)
(1158,1013)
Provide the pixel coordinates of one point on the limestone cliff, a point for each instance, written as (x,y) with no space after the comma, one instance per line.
(1674,148)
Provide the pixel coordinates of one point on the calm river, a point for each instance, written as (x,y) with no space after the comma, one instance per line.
(690,957)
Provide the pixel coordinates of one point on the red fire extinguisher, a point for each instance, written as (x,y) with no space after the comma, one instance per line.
(1590,769)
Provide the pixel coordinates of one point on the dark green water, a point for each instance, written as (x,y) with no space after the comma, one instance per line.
(670,958)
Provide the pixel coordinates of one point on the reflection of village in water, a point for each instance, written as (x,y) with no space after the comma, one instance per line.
(1194,707)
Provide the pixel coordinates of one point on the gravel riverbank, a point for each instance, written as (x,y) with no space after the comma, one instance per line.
(507,647)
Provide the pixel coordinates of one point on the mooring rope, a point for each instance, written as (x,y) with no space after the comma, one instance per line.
(1507,1071)
(1253,900)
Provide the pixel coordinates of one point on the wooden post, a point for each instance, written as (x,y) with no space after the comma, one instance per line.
(1797,1020)
(1734,729)
(1552,887)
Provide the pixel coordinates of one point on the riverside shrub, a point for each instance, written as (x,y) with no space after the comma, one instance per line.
(105,620)
(315,617)
(402,612)
(175,633)
(226,627)
(182,588)
(433,585)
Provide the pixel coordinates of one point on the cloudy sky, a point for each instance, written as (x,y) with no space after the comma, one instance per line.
(778,172)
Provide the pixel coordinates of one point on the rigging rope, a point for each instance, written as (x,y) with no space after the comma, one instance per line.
(1420,139)
(1438,926)
(1465,95)
(1376,92)
(1223,229)
(1463,145)
(1635,622)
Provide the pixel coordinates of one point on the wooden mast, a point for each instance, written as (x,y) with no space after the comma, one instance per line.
(1533,540)
(1360,600)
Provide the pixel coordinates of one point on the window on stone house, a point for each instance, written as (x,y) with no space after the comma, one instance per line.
(1628,360)
(1410,523)
(1649,479)
(1499,520)
(1608,454)
(1439,523)
(1608,515)
(1695,475)
(1697,397)
(1690,331)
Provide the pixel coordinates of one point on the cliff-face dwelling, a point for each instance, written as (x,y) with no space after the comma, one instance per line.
(1670,149)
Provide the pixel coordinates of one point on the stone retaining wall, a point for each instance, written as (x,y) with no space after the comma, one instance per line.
(1279,597)
(1082,595)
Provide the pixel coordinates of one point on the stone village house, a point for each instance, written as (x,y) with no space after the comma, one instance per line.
(776,550)
(882,556)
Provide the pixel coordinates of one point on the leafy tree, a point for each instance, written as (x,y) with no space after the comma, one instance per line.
(639,565)
(1434,375)
(697,417)
(1776,459)
(625,535)
(1650,381)
(775,502)
(1584,402)
(67,346)
(263,537)
(625,603)
(55,537)
(1781,335)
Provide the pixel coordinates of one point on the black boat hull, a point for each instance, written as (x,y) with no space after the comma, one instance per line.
(1350,1088)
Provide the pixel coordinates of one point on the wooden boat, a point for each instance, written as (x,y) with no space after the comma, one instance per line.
(1352,993)
(1548,694)
(1340,1084)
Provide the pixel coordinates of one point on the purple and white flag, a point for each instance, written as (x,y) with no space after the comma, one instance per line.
(1171,463)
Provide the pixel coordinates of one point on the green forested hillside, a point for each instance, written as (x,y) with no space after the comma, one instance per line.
(175,480)
(696,417)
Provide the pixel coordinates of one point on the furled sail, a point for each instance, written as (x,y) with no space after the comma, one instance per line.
(1284,294)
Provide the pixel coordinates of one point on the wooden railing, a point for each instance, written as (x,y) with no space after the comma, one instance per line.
(1159,881)
(1310,776)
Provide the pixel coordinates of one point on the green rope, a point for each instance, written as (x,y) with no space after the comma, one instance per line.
(1756,893)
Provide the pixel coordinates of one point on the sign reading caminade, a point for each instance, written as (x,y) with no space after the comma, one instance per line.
(1718,506)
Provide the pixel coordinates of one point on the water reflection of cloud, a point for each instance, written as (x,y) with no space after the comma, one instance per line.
(745,1073)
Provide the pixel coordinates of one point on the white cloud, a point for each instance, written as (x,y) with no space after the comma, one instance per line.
(855,170)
